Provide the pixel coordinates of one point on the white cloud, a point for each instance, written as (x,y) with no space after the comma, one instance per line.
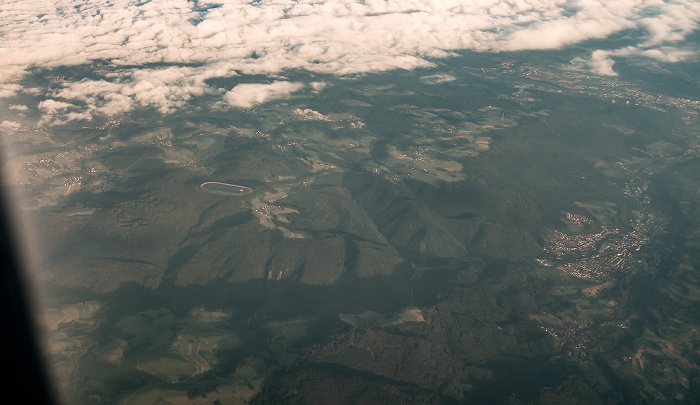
(166,89)
(438,78)
(335,36)
(663,53)
(310,115)
(599,62)
(18,107)
(247,94)
(60,112)
(557,33)
(50,106)
(8,89)
(318,86)
(10,124)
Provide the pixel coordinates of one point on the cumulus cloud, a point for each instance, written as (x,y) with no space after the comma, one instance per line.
(223,38)
(438,78)
(663,53)
(166,89)
(599,62)
(52,106)
(60,112)
(248,94)
(10,124)
(318,86)
(310,115)
(8,89)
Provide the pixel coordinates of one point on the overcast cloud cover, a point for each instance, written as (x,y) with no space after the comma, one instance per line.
(220,38)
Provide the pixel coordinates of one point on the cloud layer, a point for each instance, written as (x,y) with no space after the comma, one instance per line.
(221,39)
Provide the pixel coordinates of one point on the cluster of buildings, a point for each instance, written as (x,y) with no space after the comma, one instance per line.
(604,254)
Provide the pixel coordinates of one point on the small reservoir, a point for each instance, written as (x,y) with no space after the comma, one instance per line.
(225,189)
